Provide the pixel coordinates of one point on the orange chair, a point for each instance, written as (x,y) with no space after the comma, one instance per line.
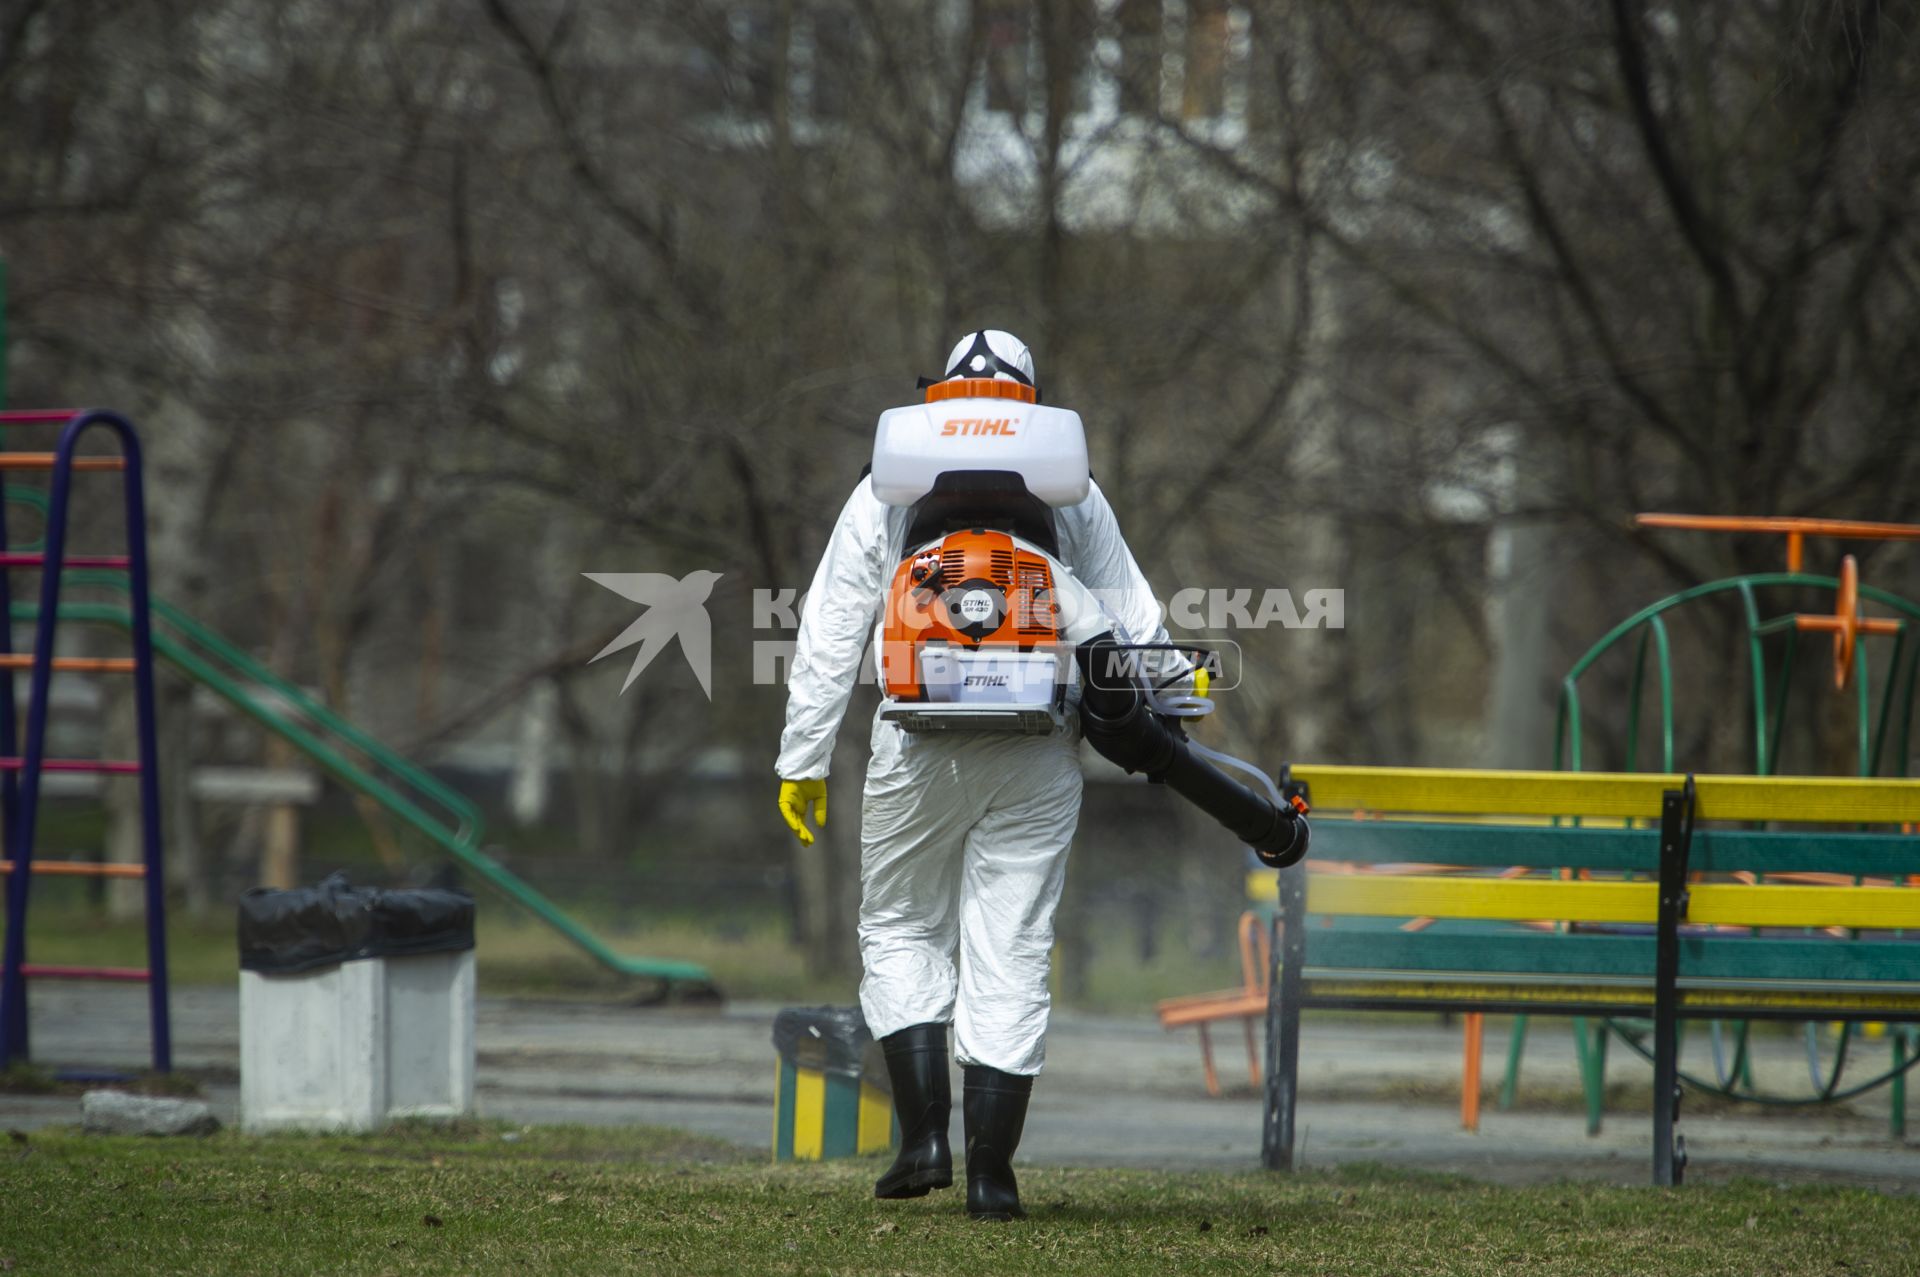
(1247,1003)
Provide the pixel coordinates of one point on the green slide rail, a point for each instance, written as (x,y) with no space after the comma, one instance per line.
(441,814)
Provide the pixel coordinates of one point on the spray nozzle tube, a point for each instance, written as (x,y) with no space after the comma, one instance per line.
(1120,719)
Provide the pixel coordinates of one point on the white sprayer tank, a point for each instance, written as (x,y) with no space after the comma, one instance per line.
(915,445)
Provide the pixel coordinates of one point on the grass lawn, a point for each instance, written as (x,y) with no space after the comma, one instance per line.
(486,1199)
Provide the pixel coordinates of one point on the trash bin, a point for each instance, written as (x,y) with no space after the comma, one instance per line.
(831,1095)
(356,1006)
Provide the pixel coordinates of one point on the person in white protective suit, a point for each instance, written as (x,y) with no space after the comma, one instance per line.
(963,840)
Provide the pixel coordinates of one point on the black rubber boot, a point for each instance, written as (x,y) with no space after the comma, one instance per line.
(923,1101)
(996,1110)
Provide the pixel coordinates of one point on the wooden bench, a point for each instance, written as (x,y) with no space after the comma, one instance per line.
(1650,917)
(1246,1003)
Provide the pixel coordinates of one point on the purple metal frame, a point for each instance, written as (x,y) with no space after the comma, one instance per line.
(13,981)
(21,790)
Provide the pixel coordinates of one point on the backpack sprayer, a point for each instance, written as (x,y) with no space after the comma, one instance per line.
(986,630)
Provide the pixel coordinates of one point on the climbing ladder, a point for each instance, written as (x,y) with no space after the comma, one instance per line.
(416,797)
(23,764)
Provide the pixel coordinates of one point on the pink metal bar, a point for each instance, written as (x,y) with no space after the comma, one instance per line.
(25,559)
(132,974)
(112,766)
(37,416)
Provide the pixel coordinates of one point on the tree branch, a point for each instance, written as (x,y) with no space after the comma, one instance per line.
(538,60)
(1695,226)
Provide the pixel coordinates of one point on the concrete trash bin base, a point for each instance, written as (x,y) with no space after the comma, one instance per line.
(356,1007)
(352,1047)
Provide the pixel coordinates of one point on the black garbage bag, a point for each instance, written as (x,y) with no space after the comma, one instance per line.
(284,932)
(826,1039)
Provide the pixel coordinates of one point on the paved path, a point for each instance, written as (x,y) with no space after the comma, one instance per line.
(1117,1090)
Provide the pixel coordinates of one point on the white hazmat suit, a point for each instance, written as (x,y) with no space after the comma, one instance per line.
(964,836)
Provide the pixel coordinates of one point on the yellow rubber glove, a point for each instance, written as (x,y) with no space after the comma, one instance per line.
(794,797)
(1201,680)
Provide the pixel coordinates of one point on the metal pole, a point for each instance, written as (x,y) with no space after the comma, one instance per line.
(1676,833)
(13,985)
(1283,1021)
(140,614)
(14,1043)
(3,332)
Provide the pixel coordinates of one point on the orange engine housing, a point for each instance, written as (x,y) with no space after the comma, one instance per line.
(973,589)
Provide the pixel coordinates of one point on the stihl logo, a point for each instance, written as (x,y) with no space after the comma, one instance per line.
(986,680)
(979,426)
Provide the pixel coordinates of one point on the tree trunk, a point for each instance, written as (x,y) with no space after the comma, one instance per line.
(1518,729)
(279,859)
(530,790)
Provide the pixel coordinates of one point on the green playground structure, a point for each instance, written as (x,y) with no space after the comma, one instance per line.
(1770,690)
(403,788)
(1591,895)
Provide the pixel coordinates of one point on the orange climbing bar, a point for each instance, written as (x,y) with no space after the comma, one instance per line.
(1794,528)
(80,869)
(1838,624)
(1846,529)
(70,664)
(44,461)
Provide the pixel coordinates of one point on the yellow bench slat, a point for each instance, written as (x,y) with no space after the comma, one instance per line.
(1868,908)
(1445,791)
(1528,899)
(1836,1003)
(1502,899)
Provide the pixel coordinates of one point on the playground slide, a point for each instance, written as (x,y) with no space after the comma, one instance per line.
(357,760)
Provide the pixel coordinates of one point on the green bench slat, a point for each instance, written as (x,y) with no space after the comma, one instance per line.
(1723,850)
(1860,855)
(1484,846)
(1715,957)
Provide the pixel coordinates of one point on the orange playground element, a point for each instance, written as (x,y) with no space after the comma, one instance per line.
(1796,530)
(1474,1036)
(44,461)
(1847,623)
(80,869)
(70,664)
